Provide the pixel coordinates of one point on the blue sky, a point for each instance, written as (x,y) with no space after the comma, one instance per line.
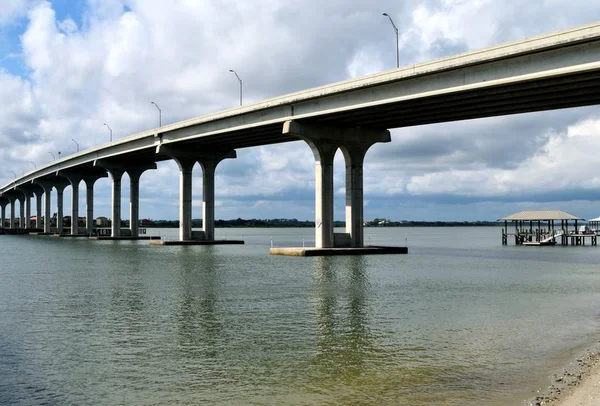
(66,67)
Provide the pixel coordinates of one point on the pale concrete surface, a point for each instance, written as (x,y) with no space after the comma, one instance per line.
(325,252)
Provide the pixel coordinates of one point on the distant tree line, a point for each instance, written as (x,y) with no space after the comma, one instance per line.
(282,222)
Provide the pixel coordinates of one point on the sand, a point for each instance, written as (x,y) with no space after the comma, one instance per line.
(578,385)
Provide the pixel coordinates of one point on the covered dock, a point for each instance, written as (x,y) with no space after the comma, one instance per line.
(546,227)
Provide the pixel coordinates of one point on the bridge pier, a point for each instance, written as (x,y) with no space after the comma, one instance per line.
(90,180)
(3,202)
(47,188)
(208,160)
(324,141)
(134,197)
(60,186)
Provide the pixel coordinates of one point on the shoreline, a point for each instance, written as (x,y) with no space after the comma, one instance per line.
(577,385)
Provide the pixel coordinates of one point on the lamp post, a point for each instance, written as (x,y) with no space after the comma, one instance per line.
(159,114)
(53,157)
(109,129)
(240,80)
(397,44)
(33,163)
(76,143)
(14,173)
(58,154)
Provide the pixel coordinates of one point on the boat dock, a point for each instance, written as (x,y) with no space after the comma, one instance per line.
(547,227)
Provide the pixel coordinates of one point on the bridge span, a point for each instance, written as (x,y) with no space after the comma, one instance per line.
(552,71)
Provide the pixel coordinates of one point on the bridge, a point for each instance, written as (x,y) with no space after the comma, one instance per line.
(553,71)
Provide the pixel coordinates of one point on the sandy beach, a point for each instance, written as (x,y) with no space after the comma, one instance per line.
(579,385)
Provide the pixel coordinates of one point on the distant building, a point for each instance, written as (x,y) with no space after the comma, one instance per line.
(102,221)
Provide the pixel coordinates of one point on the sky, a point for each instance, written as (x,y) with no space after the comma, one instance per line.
(69,66)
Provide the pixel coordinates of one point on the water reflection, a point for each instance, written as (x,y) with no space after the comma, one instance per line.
(344,341)
(198,325)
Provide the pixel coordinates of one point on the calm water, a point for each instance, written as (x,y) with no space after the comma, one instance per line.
(461,320)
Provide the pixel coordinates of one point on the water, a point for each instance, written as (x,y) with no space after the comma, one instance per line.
(461,320)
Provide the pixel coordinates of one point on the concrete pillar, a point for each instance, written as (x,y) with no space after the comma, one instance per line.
(134,196)
(185,197)
(75,206)
(354,157)
(324,154)
(38,209)
(47,204)
(209,164)
(186,158)
(89,206)
(90,180)
(3,203)
(12,213)
(22,212)
(27,209)
(324,142)
(60,207)
(116,175)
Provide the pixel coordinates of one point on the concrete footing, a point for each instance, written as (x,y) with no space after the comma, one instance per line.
(325,252)
(121,238)
(197,242)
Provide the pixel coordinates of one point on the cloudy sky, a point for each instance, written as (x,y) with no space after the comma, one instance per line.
(68,66)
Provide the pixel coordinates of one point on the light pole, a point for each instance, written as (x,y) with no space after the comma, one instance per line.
(159,115)
(14,174)
(58,154)
(397,44)
(76,143)
(33,163)
(240,80)
(110,129)
(53,157)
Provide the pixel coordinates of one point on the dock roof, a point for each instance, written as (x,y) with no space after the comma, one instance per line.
(595,219)
(540,215)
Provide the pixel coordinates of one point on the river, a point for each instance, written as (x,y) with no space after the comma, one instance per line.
(460,320)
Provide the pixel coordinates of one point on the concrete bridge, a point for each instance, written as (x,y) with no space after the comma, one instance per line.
(553,71)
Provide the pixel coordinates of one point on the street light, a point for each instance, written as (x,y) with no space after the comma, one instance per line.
(240,80)
(75,144)
(159,115)
(110,129)
(53,157)
(58,154)
(33,163)
(14,174)
(397,44)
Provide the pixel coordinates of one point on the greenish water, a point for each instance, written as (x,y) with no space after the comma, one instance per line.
(461,320)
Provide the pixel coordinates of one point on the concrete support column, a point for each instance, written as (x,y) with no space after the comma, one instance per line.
(12,213)
(89,207)
(22,212)
(324,142)
(185,198)
(60,188)
(134,205)
(38,209)
(354,156)
(209,165)
(134,197)
(47,204)
(208,199)
(116,175)
(27,210)
(324,154)
(90,180)
(3,203)
(75,206)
